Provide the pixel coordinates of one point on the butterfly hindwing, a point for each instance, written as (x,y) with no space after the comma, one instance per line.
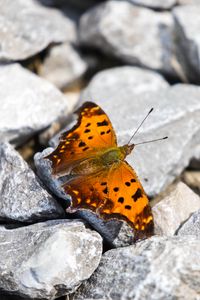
(92,132)
(114,193)
(126,199)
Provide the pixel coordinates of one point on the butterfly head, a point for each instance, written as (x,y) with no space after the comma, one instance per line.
(127,149)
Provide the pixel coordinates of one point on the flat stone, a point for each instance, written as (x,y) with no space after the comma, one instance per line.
(191,226)
(117,28)
(47,260)
(157,268)
(23,197)
(30,105)
(63,66)
(187,23)
(32,29)
(155,4)
(175,209)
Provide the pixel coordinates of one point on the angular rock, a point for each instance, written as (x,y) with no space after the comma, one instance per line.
(135,79)
(133,34)
(157,164)
(23,197)
(175,209)
(31,105)
(47,260)
(191,226)
(157,268)
(187,25)
(35,27)
(155,4)
(63,66)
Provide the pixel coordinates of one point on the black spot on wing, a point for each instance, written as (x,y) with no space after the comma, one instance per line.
(121,200)
(103,123)
(137,195)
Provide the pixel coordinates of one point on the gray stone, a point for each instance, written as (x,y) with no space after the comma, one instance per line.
(185,2)
(172,116)
(187,23)
(191,226)
(63,66)
(47,260)
(175,209)
(23,197)
(155,4)
(157,268)
(133,34)
(29,105)
(27,27)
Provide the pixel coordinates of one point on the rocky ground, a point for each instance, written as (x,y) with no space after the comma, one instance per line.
(127,56)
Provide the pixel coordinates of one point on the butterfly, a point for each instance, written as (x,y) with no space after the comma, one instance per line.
(100,178)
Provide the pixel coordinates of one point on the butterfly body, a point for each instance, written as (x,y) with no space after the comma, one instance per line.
(100,178)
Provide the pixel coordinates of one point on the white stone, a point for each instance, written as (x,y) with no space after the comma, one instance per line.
(29,105)
(134,34)
(63,66)
(175,209)
(27,27)
(48,260)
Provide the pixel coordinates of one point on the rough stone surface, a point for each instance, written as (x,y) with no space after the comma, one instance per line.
(29,105)
(49,259)
(191,226)
(158,268)
(63,66)
(132,79)
(22,196)
(175,209)
(158,4)
(118,28)
(25,34)
(187,23)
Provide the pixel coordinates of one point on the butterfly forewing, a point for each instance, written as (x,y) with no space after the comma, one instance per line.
(92,132)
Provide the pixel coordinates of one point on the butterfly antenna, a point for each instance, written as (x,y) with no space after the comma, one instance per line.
(151,141)
(140,125)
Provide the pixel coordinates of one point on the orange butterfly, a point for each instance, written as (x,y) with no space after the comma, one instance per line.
(100,178)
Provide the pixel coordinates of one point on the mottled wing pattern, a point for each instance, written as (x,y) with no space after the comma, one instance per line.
(126,199)
(92,132)
(114,193)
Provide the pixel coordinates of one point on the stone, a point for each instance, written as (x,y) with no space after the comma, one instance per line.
(187,24)
(30,106)
(63,66)
(174,209)
(174,118)
(155,4)
(191,226)
(23,197)
(184,2)
(135,35)
(156,268)
(32,29)
(192,178)
(47,260)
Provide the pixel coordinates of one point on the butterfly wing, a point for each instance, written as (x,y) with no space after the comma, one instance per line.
(126,199)
(113,193)
(92,132)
